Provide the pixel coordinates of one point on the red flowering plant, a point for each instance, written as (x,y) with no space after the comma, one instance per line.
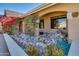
(7,22)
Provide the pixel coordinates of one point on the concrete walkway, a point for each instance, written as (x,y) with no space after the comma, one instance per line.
(14,48)
(74,49)
(3,47)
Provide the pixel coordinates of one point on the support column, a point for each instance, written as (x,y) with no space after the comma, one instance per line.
(73,32)
(23,27)
(37,28)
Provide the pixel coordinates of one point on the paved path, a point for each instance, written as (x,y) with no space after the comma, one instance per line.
(3,47)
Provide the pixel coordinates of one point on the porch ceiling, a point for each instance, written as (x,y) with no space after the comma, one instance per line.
(55,13)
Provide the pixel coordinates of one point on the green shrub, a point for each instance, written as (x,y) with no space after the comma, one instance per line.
(53,50)
(56,51)
(32,50)
(48,50)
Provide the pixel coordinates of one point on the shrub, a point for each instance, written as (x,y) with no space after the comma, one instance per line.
(48,50)
(53,50)
(56,51)
(32,50)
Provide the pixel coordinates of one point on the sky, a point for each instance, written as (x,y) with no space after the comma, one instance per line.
(18,7)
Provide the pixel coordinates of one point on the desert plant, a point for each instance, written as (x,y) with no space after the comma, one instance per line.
(11,29)
(32,50)
(31,23)
(48,50)
(53,50)
(57,51)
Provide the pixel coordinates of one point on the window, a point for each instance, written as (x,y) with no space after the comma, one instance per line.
(20,26)
(58,22)
(41,24)
(52,23)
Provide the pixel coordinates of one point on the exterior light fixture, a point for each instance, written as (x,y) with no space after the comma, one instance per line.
(75,14)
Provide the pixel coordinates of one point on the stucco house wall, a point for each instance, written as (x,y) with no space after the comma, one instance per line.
(73,27)
(73,30)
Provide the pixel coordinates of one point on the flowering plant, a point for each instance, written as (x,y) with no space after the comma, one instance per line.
(53,50)
(32,50)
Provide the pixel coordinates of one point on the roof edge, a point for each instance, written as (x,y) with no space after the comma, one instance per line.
(39,8)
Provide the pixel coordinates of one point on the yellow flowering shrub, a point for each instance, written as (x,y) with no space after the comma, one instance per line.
(53,50)
(32,50)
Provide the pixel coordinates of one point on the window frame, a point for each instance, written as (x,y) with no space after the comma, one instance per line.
(40,25)
(52,19)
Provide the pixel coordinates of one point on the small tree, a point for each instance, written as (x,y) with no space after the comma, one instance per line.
(31,23)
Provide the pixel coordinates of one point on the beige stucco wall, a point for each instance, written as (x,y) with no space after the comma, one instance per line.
(73,28)
(73,31)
